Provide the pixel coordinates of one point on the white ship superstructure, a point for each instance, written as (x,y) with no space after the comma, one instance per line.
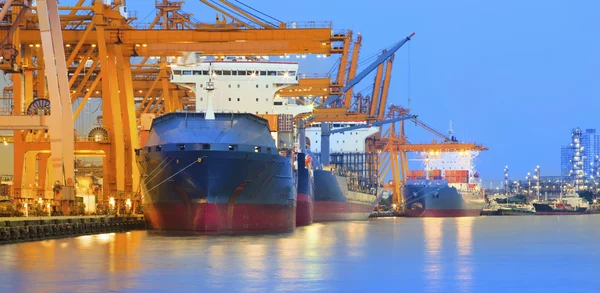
(232,86)
(352,141)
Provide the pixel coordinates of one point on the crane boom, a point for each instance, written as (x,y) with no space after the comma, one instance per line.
(437,133)
(368,70)
(376,123)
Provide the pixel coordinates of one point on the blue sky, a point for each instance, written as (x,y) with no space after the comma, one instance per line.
(516,76)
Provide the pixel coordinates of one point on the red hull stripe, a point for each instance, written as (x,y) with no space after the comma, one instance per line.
(341,211)
(204,217)
(304,210)
(443,213)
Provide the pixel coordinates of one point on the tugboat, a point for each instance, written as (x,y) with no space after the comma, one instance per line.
(571,204)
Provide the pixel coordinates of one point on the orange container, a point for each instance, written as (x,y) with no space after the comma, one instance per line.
(272,119)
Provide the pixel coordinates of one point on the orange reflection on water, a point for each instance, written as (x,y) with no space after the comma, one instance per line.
(356,234)
(39,262)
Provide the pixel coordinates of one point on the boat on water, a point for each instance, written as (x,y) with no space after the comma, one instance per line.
(306,190)
(435,198)
(228,166)
(448,187)
(571,204)
(347,189)
(493,208)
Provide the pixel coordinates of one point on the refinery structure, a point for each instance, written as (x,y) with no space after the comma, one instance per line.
(92,62)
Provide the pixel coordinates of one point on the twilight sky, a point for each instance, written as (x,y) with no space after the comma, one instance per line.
(514,75)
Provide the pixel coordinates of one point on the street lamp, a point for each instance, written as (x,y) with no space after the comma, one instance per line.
(537,181)
(528,183)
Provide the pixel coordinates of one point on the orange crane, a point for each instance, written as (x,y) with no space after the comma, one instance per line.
(393,147)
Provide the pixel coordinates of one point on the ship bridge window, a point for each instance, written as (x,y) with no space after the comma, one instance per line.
(262,72)
(206,146)
(197,72)
(280,73)
(230,87)
(218,72)
(266,86)
(234,72)
(241,72)
(177,72)
(251,73)
(226,72)
(292,73)
(233,147)
(181,147)
(187,72)
(268,150)
(158,148)
(271,73)
(278,103)
(257,149)
(257,86)
(204,72)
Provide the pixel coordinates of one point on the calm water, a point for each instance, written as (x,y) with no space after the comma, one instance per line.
(487,254)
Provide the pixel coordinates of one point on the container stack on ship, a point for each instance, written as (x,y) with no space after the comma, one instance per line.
(228,166)
(448,187)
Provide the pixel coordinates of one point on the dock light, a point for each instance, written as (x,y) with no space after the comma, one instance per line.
(40,200)
(145,45)
(5,142)
(128,203)
(140,91)
(37,45)
(287,56)
(111,201)
(318,55)
(97,92)
(137,45)
(30,45)
(93,45)
(68,45)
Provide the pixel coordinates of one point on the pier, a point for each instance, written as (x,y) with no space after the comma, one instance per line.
(21,229)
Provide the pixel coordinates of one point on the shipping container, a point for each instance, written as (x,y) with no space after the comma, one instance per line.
(286,123)
(272,119)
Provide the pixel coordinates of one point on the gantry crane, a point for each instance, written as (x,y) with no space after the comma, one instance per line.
(102,50)
(393,147)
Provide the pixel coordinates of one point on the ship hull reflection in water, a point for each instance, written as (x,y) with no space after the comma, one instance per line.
(435,254)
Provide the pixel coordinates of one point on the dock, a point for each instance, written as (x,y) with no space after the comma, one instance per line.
(21,229)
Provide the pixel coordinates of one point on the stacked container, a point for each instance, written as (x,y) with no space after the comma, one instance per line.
(285,131)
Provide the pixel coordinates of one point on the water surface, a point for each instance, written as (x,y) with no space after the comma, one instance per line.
(486,254)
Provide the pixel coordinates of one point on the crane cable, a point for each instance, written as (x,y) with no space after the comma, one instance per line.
(273,18)
(233,12)
(408,75)
(199,160)
(255,16)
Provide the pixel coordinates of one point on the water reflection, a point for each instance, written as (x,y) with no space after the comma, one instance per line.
(432,228)
(39,266)
(464,228)
(431,255)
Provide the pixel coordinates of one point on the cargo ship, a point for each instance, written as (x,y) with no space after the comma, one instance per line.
(306,190)
(570,204)
(435,198)
(448,187)
(347,189)
(227,165)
